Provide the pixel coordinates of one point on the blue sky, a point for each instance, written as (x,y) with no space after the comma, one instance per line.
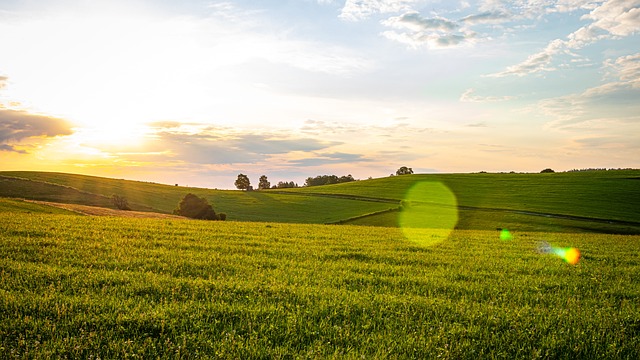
(196,92)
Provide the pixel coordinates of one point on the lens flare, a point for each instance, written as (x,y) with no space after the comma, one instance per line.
(569,254)
(429,213)
(505,235)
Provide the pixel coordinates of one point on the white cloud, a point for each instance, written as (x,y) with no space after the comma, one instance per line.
(616,99)
(415,22)
(538,62)
(470,96)
(417,31)
(627,68)
(530,9)
(617,17)
(488,17)
(611,19)
(355,10)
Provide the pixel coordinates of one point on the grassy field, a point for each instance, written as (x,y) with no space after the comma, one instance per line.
(142,196)
(593,201)
(23,207)
(103,287)
(611,195)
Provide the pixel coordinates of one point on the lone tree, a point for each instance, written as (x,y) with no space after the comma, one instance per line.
(120,202)
(242,182)
(263,183)
(195,207)
(547,170)
(404,171)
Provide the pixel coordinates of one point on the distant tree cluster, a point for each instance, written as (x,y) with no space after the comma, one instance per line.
(599,169)
(243,183)
(327,180)
(196,207)
(285,185)
(404,171)
(546,171)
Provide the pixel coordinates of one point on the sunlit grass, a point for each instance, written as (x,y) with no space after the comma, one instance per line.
(84,287)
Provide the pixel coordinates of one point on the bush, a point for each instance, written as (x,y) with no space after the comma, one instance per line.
(120,202)
(222,216)
(547,170)
(195,207)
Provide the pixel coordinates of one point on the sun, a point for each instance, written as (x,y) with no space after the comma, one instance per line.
(110,69)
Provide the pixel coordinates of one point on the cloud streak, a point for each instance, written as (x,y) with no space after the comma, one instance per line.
(614,99)
(16,126)
(613,19)
(469,96)
(355,10)
(206,144)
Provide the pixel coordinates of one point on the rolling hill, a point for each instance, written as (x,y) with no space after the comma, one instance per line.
(593,201)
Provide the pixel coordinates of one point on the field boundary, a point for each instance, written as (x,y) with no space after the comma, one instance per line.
(344,221)
(101,211)
(339,196)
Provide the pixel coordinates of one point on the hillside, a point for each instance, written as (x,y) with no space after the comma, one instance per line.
(144,196)
(595,201)
(591,201)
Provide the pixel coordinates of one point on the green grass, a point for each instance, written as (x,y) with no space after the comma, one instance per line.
(594,201)
(85,287)
(238,205)
(611,195)
(23,207)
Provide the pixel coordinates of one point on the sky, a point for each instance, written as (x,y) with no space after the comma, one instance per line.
(195,92)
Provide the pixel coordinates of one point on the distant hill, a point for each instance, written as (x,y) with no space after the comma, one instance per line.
(144,196)
(593,201)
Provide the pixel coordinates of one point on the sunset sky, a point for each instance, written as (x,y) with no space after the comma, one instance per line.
(195,92)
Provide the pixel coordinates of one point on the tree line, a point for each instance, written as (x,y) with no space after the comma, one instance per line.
(243,183)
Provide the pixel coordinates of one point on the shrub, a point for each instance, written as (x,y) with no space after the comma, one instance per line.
(222,216)
(547,170)
(195,207)
(120,202)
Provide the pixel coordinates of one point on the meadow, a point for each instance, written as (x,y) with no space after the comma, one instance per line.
(586,202)
(105,287)
(274,282)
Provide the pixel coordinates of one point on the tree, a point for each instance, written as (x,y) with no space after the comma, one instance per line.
(243,182)
(285,185)
(263,183)
(327,180)
(120,202)
(404,171)
(547,170)
(344,179)
(195,207)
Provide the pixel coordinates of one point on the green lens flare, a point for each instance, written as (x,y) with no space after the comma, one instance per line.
(505,235)
(429,214)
